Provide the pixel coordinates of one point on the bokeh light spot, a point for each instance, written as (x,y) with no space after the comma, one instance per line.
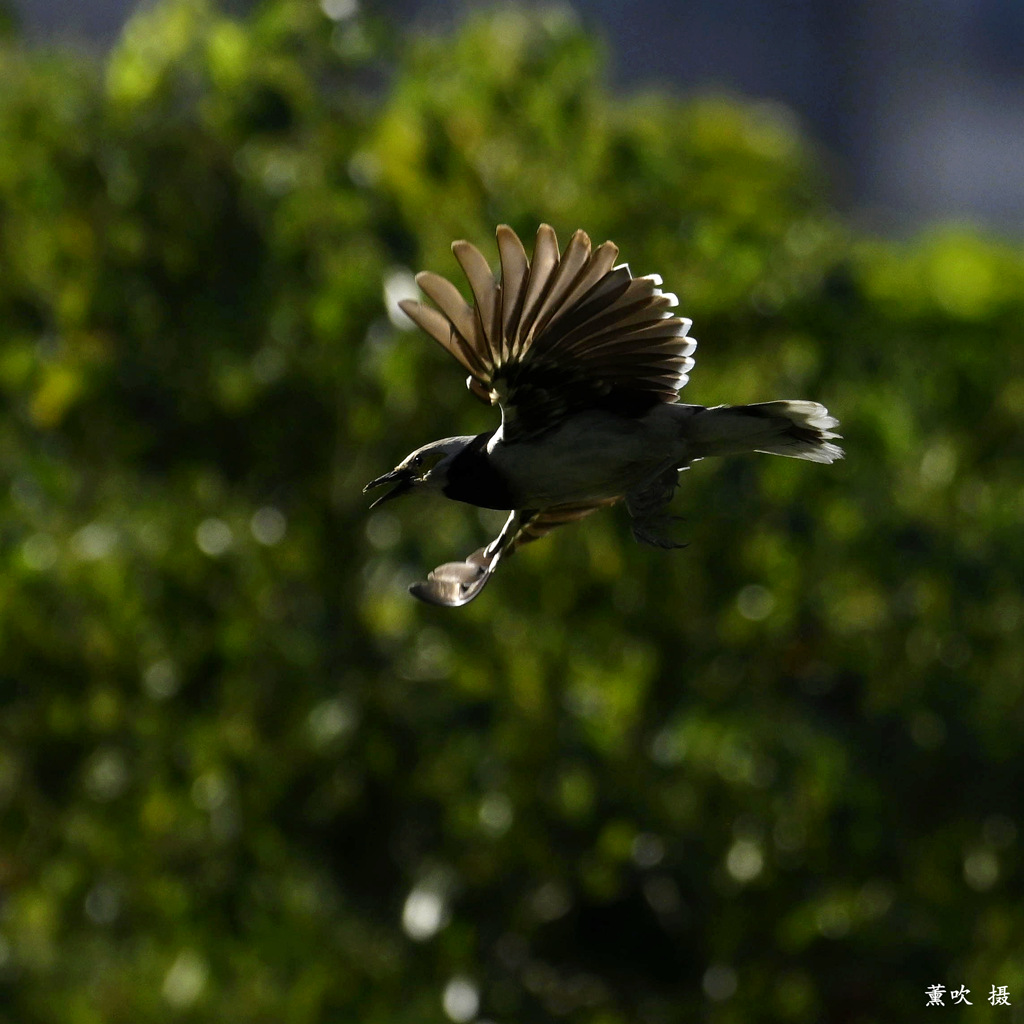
(425,911)
(214,537)
(461,999)
(755,602)
(720,982)
(268,525)
(185,980)
(744,860)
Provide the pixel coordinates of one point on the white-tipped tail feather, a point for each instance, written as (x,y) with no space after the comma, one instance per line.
(797,429)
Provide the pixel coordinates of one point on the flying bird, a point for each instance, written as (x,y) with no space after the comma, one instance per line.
(585,362)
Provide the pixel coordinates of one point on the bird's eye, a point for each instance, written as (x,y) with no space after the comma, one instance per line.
(418,461)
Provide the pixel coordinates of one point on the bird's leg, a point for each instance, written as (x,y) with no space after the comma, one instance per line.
(498,545)
(457,583)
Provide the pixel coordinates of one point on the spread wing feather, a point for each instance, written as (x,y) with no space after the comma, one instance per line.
(562,279)
(486,293)
(438,326)
(557,333)
(515,275)
(542,272)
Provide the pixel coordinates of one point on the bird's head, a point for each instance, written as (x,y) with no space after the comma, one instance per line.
(425,469)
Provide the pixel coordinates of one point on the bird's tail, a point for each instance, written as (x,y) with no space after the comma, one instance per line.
(800,430)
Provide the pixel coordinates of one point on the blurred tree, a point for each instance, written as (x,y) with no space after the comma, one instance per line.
(245,777)
(8,20)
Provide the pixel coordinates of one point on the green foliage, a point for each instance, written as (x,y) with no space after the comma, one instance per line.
(244,777)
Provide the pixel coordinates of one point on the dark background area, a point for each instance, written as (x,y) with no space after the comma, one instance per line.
(919,108)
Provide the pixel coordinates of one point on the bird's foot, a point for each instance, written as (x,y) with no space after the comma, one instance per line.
(651,530)
(455,583)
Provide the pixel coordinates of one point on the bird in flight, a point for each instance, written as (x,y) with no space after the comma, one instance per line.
(585,362)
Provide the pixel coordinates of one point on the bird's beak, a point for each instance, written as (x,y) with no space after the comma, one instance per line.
(404,478)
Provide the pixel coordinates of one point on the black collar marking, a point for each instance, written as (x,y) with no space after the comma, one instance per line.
(473,479)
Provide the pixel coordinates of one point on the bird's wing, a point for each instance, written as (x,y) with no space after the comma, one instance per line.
(559,333)
(457,583)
